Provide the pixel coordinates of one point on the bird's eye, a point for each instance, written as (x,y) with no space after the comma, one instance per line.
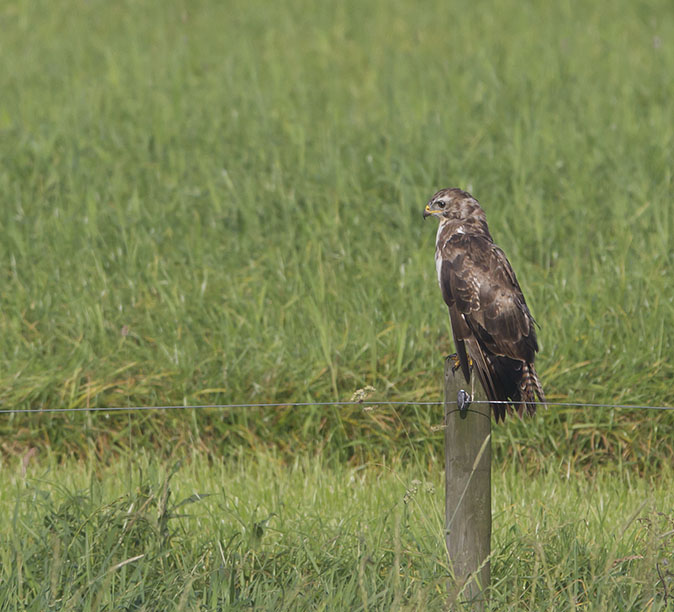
(441,204)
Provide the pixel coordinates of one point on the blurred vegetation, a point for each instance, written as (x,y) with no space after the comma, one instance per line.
(267,534)
(221,202)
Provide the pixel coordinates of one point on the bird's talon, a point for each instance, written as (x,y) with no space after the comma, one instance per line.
(456,363)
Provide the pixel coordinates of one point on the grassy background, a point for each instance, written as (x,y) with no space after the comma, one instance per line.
(213,202)
(221,202)
(266,535)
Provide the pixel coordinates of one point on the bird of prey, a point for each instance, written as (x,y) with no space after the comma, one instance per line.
(491,323)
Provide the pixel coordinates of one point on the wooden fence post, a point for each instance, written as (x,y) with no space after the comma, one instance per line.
(467,491)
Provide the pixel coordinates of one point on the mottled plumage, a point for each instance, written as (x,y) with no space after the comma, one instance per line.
(491,322)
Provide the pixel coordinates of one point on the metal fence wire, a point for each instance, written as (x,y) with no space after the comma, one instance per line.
(364,403)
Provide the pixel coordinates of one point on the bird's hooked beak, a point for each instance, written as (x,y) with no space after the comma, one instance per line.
(428,212)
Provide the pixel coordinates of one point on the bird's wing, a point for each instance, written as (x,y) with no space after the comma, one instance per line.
(485,299)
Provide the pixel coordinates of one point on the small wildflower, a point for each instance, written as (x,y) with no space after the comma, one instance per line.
(362,394)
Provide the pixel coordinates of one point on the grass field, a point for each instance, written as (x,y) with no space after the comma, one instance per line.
(268,535)
(208,202)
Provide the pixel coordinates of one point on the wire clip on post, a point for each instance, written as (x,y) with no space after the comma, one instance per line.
(463,400)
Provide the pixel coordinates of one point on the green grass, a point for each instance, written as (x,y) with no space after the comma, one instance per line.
(208,202)
(213,202)
(262,534)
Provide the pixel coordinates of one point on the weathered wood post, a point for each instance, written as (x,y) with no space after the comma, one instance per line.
(467,491)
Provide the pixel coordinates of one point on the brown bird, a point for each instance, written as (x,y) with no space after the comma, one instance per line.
(491,323)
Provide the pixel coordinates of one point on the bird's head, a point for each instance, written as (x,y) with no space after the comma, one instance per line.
(459,211)
(451,204)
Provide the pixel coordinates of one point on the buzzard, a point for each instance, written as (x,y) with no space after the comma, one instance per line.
(491,323)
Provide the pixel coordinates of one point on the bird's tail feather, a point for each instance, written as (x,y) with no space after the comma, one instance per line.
(508,380)
(489,375)
(529,388)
